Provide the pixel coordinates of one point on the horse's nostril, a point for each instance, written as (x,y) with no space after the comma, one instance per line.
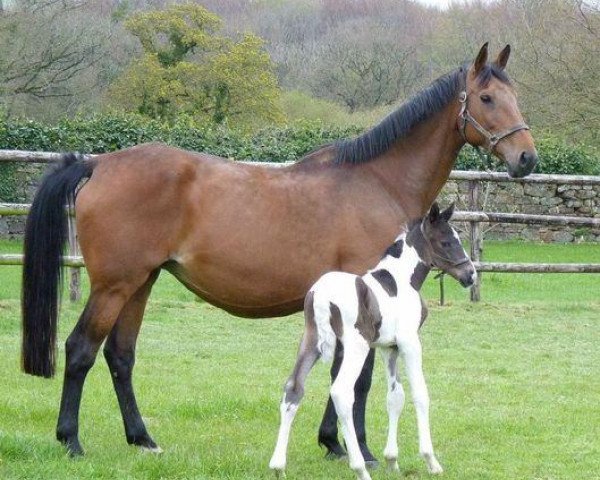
(524,158)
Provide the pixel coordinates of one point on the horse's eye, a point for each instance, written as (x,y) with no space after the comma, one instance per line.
(485,98)
(446,244)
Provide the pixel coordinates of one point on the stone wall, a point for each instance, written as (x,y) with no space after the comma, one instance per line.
(540,199)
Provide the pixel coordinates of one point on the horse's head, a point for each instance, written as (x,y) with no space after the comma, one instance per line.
(490,116)
(443,248)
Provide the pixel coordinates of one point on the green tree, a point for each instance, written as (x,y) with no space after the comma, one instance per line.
(188,68)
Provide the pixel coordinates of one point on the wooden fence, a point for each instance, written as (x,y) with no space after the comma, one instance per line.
(474,218)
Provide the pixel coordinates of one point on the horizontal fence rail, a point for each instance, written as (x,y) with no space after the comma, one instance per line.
(526,218)
(17,259)
(49,157)
(538,267)
(473,218)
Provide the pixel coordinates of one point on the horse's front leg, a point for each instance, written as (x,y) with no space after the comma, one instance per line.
(395,404)
(412,353)
(328,431)
(342,393)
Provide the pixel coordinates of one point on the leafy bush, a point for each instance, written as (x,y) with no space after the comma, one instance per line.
(558,156)
(109,132)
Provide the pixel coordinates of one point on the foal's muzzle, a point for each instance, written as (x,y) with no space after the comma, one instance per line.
(468,278)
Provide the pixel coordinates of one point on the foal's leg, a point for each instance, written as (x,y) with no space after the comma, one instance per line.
(82,345)
(356,350)
(119,351)
(395,403)
(308,354)
(328,431)
(411,351)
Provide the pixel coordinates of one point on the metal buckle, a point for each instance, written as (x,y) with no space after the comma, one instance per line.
(462,97)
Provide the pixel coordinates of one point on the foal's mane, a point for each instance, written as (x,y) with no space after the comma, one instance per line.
(414,111)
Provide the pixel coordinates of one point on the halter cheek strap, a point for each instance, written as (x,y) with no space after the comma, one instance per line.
(493,139)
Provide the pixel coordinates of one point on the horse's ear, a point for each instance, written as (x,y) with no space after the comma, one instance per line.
(434,213)
(502,59)
(481,59)
(447,214)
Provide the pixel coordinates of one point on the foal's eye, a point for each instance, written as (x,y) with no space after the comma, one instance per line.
(485,98)
(446,244)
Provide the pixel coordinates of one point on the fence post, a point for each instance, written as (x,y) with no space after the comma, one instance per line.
(74,272)
(475,237)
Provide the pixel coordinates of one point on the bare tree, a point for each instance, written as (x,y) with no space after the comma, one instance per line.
(365,67)
(46,46)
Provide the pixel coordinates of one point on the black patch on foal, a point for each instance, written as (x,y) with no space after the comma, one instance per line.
(335,319)
(385,278)
(368,322)
(419,275)
(395,249)
(424,312)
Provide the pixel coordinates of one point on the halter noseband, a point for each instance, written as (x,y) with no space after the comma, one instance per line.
(492,139)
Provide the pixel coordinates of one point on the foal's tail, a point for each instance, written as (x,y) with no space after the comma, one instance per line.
(45,237)
(321,315)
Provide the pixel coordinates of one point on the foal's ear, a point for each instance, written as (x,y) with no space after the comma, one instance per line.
(502,59)
(447,214)
(434,213)
(481,59)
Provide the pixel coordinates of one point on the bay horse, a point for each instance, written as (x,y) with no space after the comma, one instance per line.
(382,308)
(249,239)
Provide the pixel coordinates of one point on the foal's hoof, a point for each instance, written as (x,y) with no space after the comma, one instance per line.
(279,473)
(392,464)
(370,461)
(433,466)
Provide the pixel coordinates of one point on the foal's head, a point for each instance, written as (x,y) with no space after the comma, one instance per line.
(490,116)
(442,246)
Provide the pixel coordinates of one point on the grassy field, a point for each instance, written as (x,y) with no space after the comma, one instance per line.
(514,382)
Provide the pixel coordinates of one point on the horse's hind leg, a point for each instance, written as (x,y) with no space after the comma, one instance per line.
(394,403)
(94,324)
(308,354)
(119,351)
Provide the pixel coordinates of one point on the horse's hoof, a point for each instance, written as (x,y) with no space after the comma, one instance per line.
(334,450)
(330,455)
(74,449)
(156,450)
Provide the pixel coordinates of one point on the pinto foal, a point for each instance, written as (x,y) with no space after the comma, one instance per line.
(384,309)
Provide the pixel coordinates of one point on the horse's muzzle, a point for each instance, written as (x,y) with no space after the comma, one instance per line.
(524,166)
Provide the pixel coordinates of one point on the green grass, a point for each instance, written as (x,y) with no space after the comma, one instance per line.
(514,383)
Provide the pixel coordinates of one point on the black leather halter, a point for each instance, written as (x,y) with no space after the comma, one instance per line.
(493,139)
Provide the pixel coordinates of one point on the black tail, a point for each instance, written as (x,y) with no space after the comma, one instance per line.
(45,237)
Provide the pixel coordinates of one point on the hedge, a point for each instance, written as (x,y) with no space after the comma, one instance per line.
(109,132)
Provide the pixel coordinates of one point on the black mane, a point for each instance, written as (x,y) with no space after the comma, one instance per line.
(414,111)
